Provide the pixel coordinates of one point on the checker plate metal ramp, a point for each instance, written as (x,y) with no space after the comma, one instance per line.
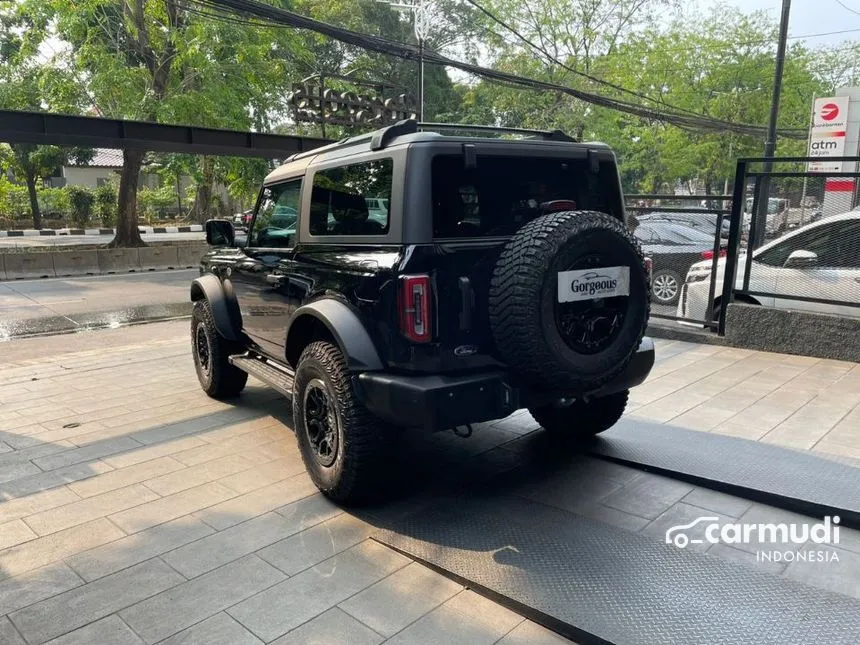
(793,480)
(597,584)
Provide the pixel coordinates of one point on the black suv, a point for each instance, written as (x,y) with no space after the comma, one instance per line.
(410,279)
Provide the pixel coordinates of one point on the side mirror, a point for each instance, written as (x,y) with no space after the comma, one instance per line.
(801,260)
(220,232)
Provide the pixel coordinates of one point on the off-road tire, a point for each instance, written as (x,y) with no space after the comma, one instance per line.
(354,476)
(524,291)
(582,419)
(218,378)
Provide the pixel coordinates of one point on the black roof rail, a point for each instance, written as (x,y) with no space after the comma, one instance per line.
(548,135)
(382,137)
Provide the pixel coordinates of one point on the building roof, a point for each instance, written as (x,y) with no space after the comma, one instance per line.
(102,158)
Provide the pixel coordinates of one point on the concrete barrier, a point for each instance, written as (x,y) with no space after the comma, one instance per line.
(118,260)
(19,266)
(76,262)
(189,255)
(793,332)
(155,258)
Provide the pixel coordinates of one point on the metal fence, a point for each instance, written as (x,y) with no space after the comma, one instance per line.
(684,236)
(794,238)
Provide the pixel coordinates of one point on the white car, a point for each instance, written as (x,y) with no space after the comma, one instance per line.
(819,260)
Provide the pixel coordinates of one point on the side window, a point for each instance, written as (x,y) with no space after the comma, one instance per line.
(837,245)
(352,200)
(275,223)
(644,233)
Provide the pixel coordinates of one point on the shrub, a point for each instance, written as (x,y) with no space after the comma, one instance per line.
(106,204)
(154,204)
(81,200)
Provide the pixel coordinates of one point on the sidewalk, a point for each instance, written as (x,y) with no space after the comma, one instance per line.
(136,509)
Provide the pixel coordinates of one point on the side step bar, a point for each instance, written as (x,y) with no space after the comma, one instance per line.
(260,368)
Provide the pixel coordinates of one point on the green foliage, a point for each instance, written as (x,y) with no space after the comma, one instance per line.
(81,201)
(106,204)
(155,204)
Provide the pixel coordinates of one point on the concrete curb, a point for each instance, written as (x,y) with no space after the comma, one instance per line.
(71,262)
(149,230)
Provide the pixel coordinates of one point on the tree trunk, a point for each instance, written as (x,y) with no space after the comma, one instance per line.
(34,200)
(127,233)
(203,195)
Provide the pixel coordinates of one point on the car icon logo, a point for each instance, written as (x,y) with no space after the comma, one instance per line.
(676,535)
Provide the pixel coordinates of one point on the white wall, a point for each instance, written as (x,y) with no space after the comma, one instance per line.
(82,176)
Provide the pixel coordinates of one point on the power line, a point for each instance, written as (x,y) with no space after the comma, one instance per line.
(410,52)
(846,7)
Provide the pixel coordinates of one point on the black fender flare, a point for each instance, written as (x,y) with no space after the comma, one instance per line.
(345,327)
(222,302)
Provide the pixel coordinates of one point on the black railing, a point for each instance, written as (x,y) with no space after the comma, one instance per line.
(803,246)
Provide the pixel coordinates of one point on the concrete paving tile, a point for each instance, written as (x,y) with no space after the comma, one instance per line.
(287,605)
(244,507)
(12,509)
(33,452)
(647,496)
(168,508)
(721,503)
(318,543)
(16,470)
(8,634)
(139,547)
(529,633)
(122,477)
(14,532)
(242,539)
(194,425)
(73,609)
(613,517)
(107,631)
(242,444)
(264,474)
(37,585)
(194,476)
(219,629)
(238,429)
(825,571)
(401,598)
(87,453)
(331,627)
(57,546)
(85,510)
(470,620)
(190,602)
(159,450)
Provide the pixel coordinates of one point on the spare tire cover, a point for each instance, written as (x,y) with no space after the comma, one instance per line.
(569,300)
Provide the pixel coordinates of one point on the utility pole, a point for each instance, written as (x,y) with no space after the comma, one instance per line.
(770,144)
(418,9)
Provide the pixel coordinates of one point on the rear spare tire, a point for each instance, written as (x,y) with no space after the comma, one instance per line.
(569,300)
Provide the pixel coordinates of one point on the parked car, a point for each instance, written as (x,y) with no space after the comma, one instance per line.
(820,260)
(776,222)
(673,248)
(502,277)
(704,221)
(243,219)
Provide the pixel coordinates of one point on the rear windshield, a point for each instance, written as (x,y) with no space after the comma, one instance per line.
(501,194)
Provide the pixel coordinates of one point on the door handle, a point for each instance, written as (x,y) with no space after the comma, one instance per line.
(857,279)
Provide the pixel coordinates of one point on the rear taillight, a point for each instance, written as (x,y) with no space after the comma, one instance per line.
(649,268)
(709,255)
(413,302)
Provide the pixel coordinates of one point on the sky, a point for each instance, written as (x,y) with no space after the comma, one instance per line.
(808,17)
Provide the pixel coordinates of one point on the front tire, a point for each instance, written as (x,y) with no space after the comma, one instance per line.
(582,420)
(340,440)
(218,378)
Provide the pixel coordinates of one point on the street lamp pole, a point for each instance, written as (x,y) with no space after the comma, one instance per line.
(770,143)
(419,16)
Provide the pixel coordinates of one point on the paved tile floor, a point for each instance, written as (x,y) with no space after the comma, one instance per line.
(136,510)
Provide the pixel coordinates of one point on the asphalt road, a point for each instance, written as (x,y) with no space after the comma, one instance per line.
(67,304)
(75,240)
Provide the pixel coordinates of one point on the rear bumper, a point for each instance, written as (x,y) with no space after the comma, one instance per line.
(437,402)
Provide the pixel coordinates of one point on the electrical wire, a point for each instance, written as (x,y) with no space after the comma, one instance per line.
(846,7)
(406,51)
